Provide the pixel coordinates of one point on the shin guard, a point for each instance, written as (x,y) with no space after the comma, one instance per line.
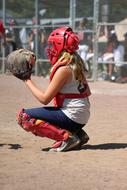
(44,129)
(41,128)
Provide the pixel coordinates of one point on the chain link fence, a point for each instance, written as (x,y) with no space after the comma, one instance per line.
(92,20)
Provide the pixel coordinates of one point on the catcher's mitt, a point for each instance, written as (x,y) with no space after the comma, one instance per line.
(20,63)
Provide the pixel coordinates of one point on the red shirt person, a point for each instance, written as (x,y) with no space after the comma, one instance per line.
(2,32)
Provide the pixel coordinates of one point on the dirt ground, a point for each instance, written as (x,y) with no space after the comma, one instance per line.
(99,165)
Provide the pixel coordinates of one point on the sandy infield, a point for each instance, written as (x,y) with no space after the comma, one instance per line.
(99,165)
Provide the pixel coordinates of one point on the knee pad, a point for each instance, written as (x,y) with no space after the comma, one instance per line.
(25,121)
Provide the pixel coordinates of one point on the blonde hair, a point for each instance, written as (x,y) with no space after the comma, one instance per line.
(75,62)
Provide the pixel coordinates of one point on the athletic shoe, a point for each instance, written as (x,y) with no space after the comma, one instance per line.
(82,135)
(69,144)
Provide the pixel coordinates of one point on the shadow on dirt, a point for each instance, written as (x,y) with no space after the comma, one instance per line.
(106,146)
(12,146)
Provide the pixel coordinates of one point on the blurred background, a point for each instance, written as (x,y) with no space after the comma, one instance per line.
(100,24)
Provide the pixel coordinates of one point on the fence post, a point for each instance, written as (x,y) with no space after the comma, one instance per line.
(95,38)
(72,13)
(36,36)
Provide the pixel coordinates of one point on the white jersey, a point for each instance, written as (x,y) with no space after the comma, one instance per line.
(77,109)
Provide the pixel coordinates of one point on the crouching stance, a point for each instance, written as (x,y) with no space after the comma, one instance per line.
(63,139)
(69,89)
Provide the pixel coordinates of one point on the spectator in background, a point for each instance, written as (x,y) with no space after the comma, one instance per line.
(118,52)
(31,35)
(89,60)
(2,36)
(15,32)
(122,69)
(85,38)
(23,37)
(10,44)
(12,37)
(114,53)
(109,56)
(2,32)
(43,44)
(42,41)
(125,46)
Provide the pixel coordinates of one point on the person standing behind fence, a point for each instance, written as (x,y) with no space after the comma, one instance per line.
(125,46)
(2,36)
(83,46)
(85,38)
(15,32)
(12,37)
(23,37)
(43,44)
(42,41)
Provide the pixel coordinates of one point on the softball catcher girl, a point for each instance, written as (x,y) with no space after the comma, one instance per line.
(68,88)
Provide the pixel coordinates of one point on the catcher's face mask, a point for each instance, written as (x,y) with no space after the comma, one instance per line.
(61,39)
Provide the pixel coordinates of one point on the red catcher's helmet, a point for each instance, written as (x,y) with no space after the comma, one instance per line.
(60,39)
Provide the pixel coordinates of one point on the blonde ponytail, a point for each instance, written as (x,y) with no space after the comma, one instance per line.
(75,62)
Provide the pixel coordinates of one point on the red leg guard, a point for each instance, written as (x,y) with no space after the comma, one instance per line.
(45,129)
(41,128)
